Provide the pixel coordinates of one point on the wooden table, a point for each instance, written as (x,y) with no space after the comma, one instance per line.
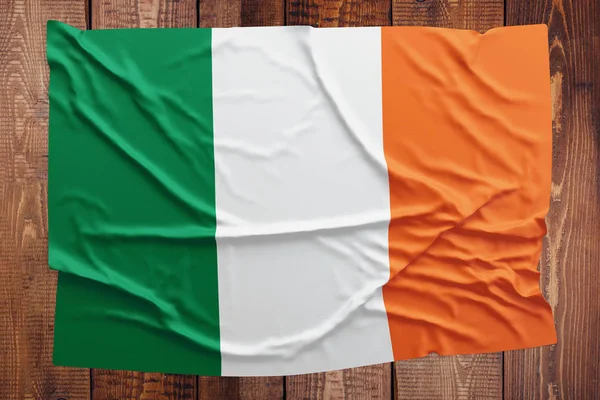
(569,263)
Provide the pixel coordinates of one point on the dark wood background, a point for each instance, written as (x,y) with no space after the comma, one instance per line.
(570,262)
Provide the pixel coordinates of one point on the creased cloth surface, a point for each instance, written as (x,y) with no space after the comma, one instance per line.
(275,201)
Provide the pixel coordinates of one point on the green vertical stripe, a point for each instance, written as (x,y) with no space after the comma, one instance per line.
(132,199)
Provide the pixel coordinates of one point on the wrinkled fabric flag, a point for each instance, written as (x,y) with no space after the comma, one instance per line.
(286,200)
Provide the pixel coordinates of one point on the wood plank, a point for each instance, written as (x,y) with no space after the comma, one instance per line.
(107,384)
(118,385)
(330,13)
(460,377)
(230,388)
(373,382)
(143,13)
(229,13)
(479,15)
(222,14)
(469,376)
(262,12)
(569,262)
(27,286)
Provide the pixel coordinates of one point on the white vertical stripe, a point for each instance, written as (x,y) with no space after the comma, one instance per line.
(302,199)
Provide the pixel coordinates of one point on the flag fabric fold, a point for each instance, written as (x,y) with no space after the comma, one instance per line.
(286,200)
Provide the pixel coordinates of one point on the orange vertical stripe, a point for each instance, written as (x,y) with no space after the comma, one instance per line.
(467,138)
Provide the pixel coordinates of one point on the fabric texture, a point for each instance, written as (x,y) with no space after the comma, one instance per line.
(286,200)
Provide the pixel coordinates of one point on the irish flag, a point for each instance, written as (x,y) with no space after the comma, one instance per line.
(286,200)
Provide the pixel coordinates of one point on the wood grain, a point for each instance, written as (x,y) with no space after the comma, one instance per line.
(262,12)
(253,388)
(372,382)
(27,286)
(145,14)
(128,385)
(328,13)
(222,14)
(229,13)
(571,255)
(246,388)
(460,377)
(457,377)
(479,15)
